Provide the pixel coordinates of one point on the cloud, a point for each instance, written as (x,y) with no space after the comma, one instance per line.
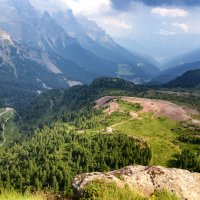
(88,7)
(166,33)
(182,26)
(121,5)
(115,23)
(49,5)
(166,12)
(126,4)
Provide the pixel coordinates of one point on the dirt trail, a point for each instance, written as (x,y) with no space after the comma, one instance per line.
(133,115)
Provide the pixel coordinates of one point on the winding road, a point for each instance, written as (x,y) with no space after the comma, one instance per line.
(3,126)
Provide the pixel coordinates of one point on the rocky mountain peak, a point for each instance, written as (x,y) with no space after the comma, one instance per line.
(5,37)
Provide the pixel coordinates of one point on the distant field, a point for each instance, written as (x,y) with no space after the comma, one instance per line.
(124,70)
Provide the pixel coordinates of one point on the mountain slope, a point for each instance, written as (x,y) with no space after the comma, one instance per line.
(90,48)
(25,64)
(172,73)
(19,19)
(188,79)
(25,71)
(57,41)
(96,40)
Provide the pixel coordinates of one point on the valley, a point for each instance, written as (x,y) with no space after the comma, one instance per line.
(83,117)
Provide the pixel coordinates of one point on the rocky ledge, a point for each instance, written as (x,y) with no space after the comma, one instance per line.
(147,180)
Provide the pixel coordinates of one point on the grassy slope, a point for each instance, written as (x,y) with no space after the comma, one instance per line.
(159,132)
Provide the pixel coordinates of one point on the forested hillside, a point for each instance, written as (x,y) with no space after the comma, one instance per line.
(53,156)
(188,79)
(55,103)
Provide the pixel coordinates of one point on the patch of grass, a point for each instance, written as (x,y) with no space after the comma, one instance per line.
(13,195)
(117,117)
(164,195)
(196,117)
(101,190)
(125,105)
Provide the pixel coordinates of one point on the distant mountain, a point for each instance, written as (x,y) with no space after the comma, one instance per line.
(19,19)
(64,49)
(95,39)
(172,73)
(189,57)
(56,40)
(189,79)
(37,69)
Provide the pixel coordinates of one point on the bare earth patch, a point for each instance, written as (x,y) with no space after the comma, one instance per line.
(164,109)
(159,108)
(112,107)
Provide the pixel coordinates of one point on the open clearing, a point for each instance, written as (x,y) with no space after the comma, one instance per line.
(158,107)
(155,122)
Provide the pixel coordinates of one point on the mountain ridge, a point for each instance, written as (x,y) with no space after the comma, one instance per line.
(172,73)
(188,79)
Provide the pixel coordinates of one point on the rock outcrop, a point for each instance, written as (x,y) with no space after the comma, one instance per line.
(184,184)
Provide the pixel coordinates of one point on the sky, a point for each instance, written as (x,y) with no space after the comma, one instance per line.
(135,19)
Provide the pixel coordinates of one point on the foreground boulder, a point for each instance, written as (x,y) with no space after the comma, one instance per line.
(147,180)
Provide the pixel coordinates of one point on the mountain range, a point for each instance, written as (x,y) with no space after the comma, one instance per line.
(61,50)
(42,51)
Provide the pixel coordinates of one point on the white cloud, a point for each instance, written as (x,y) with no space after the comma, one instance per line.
(49,5)
(108,21)
(165,32)
(88,7)
(166,12)
(182,26)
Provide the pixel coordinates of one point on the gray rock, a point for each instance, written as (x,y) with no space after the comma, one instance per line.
(147,180)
